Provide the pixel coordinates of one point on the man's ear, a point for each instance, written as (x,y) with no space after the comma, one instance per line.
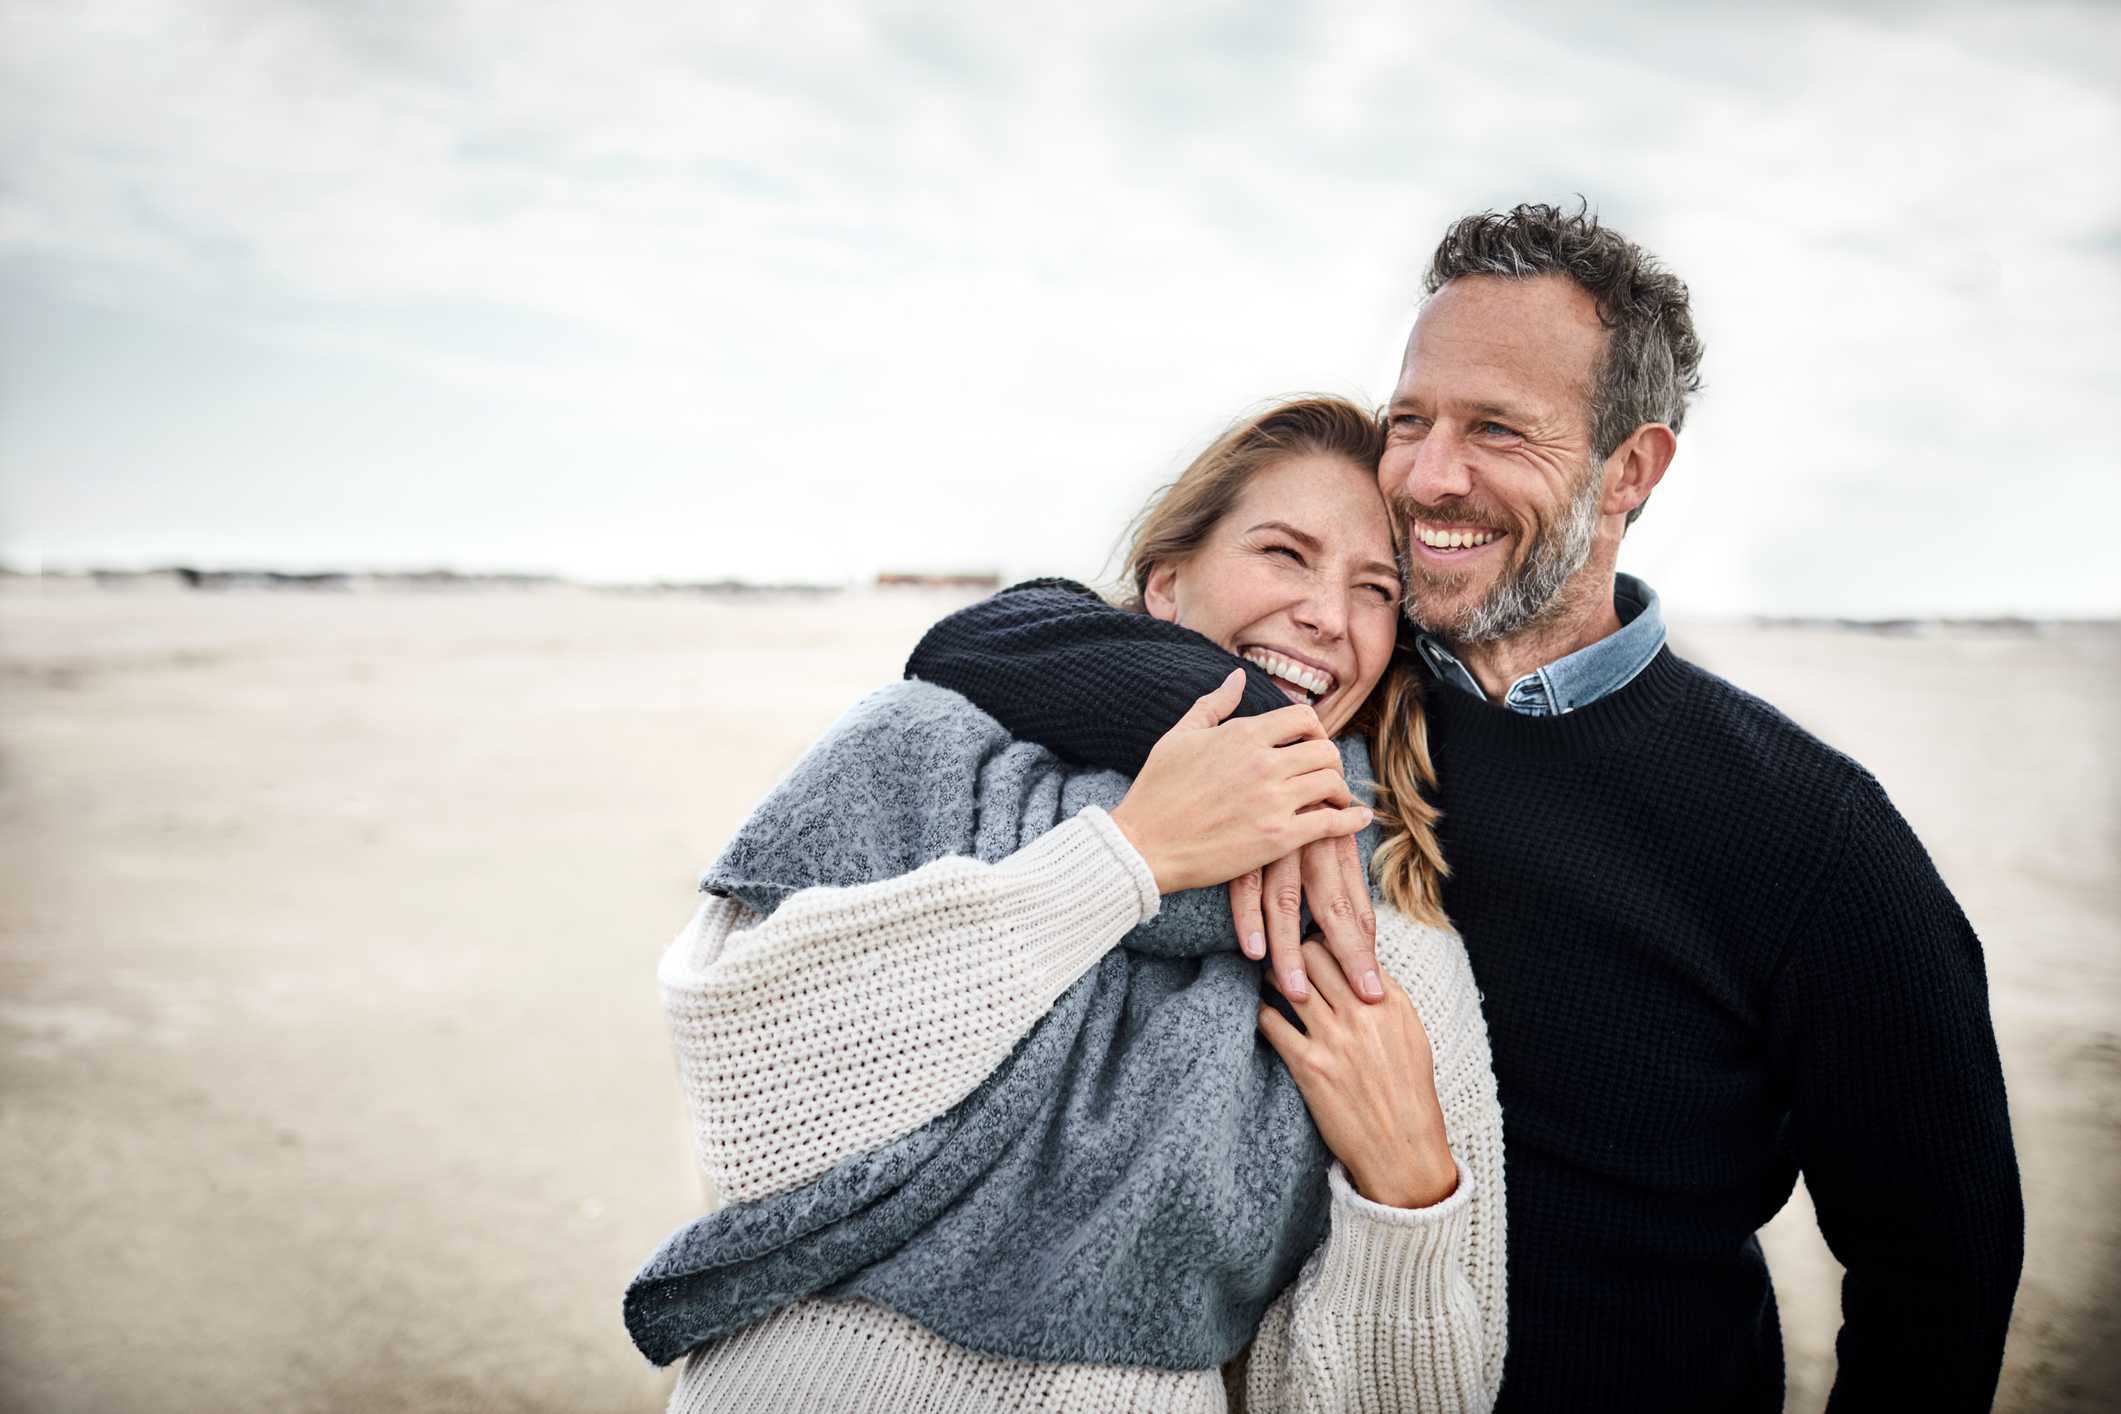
(1636,466)
(1157,597)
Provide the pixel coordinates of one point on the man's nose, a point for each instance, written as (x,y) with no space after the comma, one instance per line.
(1440,469)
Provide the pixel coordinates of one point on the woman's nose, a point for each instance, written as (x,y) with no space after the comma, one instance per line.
(1323,614)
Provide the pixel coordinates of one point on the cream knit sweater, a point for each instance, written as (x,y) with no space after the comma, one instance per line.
(852,1016)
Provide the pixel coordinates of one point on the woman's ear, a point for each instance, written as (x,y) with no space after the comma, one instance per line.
(1157,596)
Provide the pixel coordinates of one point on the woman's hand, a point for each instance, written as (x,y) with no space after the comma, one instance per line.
(1213,802)
(1370,1081)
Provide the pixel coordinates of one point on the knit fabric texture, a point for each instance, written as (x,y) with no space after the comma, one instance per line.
(854,1012)
(1000,651)
(1133,1184)
(1712,955)
(834,1357)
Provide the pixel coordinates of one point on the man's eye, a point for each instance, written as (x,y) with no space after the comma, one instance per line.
(1496,429)
(1407,422)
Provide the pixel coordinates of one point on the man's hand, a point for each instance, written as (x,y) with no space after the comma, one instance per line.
(1215,801)
(1264,907)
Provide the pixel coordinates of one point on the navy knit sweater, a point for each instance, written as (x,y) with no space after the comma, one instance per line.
(1711,954)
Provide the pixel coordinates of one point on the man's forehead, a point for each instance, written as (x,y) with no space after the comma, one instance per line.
(1484,339)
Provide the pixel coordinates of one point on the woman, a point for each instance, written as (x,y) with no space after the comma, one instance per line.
(812,1035)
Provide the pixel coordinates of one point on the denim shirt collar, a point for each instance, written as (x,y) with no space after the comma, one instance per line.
(1582,677)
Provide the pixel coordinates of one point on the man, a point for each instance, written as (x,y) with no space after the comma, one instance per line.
(1711,953)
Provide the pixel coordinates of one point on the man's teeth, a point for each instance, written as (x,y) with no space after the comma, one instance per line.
(1309,679)
(1453,539)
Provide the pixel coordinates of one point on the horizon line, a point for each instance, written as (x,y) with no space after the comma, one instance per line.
(194,577)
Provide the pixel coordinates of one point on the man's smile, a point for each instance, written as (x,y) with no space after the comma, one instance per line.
(1452,544)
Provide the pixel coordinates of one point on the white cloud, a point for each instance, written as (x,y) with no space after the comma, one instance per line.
(805,291)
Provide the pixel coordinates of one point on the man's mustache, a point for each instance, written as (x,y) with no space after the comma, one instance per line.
(1405,508)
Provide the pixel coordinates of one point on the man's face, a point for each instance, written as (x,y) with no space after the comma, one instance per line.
(1487,463)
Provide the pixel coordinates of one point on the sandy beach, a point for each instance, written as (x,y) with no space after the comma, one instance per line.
(331,1070)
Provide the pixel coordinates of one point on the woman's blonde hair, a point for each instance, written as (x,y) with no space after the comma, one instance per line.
(1409,866)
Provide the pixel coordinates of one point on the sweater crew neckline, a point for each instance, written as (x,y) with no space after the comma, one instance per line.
(1621,720)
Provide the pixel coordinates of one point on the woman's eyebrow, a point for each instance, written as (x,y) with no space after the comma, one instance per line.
(1314,545)
(1308,541)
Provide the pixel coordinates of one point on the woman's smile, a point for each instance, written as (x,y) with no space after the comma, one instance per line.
(1304,679)
(1300,579)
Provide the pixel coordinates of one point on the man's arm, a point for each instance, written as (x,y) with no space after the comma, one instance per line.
(1057,665)
(1899,1121)
(853,1014)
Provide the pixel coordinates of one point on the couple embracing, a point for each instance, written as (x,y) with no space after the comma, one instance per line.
(1135,1007)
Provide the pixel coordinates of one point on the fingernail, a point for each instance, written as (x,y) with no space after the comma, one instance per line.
(1367,813)
(1371,986)
(1296,985)
(1256,946)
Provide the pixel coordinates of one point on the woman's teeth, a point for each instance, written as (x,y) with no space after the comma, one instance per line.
(1453,539)
(1311,680)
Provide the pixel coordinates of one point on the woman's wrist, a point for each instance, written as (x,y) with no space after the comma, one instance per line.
(1420,1176)
(1132,829)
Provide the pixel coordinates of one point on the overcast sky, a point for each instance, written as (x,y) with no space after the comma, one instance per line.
(805,292)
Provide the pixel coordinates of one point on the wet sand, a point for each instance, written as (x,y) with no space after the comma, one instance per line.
(331,1074)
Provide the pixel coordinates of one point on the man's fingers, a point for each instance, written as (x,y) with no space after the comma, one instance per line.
(1369,984)
(1211,707)
(1337,910)
(1245,915)
(1283,888)
(1351,865)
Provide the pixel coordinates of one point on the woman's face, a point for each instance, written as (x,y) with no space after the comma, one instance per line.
(1300,577)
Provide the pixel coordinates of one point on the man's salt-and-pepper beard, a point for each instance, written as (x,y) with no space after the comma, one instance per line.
(1523,597)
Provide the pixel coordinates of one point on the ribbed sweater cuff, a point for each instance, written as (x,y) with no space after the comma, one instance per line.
(1384,1258)
(1086,887)
(1130,858)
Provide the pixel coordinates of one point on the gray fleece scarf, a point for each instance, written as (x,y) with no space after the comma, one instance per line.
(1133,1185)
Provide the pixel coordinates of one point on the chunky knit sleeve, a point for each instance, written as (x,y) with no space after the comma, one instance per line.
(1898,1119)
(1057,665)
(854,1015)
(1403,1309)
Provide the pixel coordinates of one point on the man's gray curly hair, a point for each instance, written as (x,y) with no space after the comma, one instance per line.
(1652,362)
